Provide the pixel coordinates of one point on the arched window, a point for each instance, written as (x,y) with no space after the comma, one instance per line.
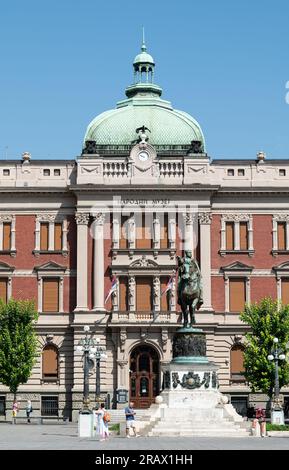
(50,362)
(237,363)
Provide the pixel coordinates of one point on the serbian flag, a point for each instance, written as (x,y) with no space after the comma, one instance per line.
(169,285)
(112,289)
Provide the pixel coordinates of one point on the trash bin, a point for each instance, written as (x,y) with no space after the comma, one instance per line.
(85,423)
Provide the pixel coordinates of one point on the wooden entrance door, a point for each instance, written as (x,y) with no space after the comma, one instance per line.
(144,376)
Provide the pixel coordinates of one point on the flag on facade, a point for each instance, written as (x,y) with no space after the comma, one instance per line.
(169,285)
(112,289)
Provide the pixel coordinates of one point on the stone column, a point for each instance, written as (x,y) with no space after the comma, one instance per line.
(237,235)
(131,294)
(156,232)
(98,263)
(156,293)
(189,232)
(172,230)
(51,236)
(205,219)
(82,220)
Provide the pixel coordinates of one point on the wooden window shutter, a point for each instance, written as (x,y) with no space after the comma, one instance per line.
(281,235)
(144,234)
(229,235)
(44,231)
(123,240)
(237,295)
(123,294)
(50,361)
(165,306)
(144,294)
(237,360)
(243,236)
(6,236)
(50,295)
(58,236)
(165,233)
(3,289)
(285,291)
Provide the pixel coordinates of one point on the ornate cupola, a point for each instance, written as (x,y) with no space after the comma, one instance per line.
(144,67)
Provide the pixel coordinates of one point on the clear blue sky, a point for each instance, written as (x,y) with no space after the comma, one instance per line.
(64,61)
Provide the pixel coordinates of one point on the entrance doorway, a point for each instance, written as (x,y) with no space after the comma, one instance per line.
(144,376)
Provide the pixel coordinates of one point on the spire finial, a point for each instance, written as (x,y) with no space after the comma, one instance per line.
(143,47)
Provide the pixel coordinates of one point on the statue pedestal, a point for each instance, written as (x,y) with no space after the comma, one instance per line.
(190,403)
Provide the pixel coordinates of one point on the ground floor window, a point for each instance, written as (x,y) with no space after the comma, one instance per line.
(240,404)
(2,406)
(49,406)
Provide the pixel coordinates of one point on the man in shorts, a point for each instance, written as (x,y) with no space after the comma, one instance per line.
(130,420)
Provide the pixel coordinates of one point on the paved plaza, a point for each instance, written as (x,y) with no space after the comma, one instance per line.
(64,437)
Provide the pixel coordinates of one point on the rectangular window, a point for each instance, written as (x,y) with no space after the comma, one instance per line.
(230,172)
(58,236)
(229,235)
(285,291)
(144,294)
(123,293)
(3,289)
(7,236)
(243,236)
(282,172)
(56,172)
(46,172)
(50,295)
(165,232)
(165,299)
(49,406)
(237,294)
(6,172)
(44,234)
(281,227)
(241,172)
(143,232)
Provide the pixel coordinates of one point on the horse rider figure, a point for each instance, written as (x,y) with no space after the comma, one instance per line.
(190,291)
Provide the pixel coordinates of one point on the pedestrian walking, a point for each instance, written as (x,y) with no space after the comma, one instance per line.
(102,419)
(130,420)
(15,409)
(28,410)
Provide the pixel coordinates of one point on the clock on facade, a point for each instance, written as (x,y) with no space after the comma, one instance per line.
(143,156)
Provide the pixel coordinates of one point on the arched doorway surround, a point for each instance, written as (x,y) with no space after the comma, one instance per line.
(144,370)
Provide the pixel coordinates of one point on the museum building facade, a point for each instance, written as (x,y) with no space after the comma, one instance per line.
(94,242)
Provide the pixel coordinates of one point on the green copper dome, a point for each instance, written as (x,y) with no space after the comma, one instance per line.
(144,107)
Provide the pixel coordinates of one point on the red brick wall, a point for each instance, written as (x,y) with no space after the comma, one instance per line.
(27,288)
(263,287)
(218,294)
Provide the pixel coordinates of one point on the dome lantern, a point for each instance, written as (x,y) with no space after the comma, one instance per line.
(143,65)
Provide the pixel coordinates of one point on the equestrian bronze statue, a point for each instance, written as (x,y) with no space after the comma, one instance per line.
(190,292)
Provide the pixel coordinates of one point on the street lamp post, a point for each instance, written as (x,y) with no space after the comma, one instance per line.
(87,346)
(277,413)
(99,354)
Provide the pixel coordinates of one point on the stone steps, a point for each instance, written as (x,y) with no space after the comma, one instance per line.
(198,433)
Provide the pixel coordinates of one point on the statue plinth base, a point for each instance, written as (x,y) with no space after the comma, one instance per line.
(189,346)
(190,403)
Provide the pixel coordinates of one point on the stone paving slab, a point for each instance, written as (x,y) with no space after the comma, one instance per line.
(64,437)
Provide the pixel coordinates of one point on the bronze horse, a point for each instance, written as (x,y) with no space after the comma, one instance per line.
(190,295)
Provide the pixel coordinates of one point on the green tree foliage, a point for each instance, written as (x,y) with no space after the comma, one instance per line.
(18,342)
(267,319)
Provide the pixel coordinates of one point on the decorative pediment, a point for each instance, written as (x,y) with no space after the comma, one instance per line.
(236,266)
(144,263)
(6,268)
(50,266)
(282,267)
